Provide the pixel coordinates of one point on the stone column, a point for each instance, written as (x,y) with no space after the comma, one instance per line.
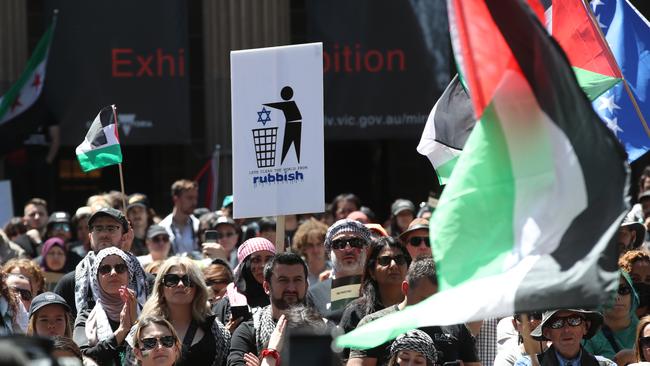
(234,25)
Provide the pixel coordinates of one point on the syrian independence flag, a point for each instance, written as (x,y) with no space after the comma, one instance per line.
(572,25)
(449,124)
(101,146)
(527,219)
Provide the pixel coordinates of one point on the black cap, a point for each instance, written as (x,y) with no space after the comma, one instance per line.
(112,213)
(46,298)
(59,217)
(154,230)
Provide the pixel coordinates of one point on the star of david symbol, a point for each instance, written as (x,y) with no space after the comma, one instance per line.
(266,118)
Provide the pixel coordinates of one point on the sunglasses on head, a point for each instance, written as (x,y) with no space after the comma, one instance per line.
(624,290)
(172,280)
(24,294)
(531,316)
(560,322)
(416,241)
(107,268)
(387,259)
(356,243)
(151,343)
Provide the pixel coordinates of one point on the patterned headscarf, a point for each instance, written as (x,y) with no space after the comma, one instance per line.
(346,226)
(415,340)
(112,304)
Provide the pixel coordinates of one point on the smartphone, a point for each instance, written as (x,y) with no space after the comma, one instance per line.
(243,312)
(211,236)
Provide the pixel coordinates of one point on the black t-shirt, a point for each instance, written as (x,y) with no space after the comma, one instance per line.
(201,351)
(453,342)
(242,342)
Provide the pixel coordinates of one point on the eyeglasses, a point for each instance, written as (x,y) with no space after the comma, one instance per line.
(151,343)
(105,229)
(386,260)
(644,342)
(531,316)
(160,239)
(172,280)
(107,268)
(624,290)
(24,294)
(356,243)
(560,322)
(416,241)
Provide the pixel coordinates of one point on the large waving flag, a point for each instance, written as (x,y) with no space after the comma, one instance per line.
(571,24)
(101,146)
(526,220)
(628,35)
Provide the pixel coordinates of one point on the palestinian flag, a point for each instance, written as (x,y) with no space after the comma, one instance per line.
(574,28)
(101,146)
(449,124)
(527,219)
(22,107)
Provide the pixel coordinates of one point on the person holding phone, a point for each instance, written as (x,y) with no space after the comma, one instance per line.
(180,296)
(221,240)
(101,332)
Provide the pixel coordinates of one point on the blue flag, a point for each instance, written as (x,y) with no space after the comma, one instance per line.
(628,35)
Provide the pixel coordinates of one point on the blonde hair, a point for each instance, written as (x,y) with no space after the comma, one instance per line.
(151,320)
(157,306)
(31,326)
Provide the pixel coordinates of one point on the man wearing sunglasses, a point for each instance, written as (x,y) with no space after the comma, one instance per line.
(416,238)
(347,242)
(108,228)
(566,328)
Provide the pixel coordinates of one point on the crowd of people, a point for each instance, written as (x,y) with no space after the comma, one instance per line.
(117,284)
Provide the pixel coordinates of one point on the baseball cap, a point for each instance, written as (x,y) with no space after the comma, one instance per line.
(112,213)
(59,217)
(227,201)
(47,298)
(154,230)
(401,205)
(224,220)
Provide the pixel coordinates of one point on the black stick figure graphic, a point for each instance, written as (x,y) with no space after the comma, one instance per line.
(294,122)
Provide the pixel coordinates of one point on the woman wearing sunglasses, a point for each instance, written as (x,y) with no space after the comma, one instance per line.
(180,296)
(101,332)
(155,342)
(615,339)
(381,285)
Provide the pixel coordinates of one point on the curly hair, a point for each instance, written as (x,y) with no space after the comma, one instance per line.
(156,304)
(305,230)
(6,293)
(638,349)
(31,270)
(627,260)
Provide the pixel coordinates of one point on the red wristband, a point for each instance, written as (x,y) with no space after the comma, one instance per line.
(273,353)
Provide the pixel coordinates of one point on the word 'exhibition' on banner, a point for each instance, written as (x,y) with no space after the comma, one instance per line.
(277,130)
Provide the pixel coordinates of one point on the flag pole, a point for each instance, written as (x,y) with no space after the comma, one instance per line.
(627,87)
(528,344)
(120,164)
(279,234)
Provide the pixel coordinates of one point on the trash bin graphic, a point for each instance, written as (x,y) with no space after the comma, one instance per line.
(265,141)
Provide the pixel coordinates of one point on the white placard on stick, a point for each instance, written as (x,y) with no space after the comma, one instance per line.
(277,130)
(6,203)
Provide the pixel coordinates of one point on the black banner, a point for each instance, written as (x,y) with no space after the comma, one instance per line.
(385,63)
(130,53)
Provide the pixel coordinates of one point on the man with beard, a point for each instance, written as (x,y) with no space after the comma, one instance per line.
(347,242)
(181,225)
(285,281)
(108,228)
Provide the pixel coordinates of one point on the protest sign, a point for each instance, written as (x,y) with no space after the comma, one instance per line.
(277,130)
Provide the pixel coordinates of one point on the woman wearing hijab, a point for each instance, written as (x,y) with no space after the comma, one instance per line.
(413,348)
(101,332)
(180,296)
(246,290)
(54,257)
